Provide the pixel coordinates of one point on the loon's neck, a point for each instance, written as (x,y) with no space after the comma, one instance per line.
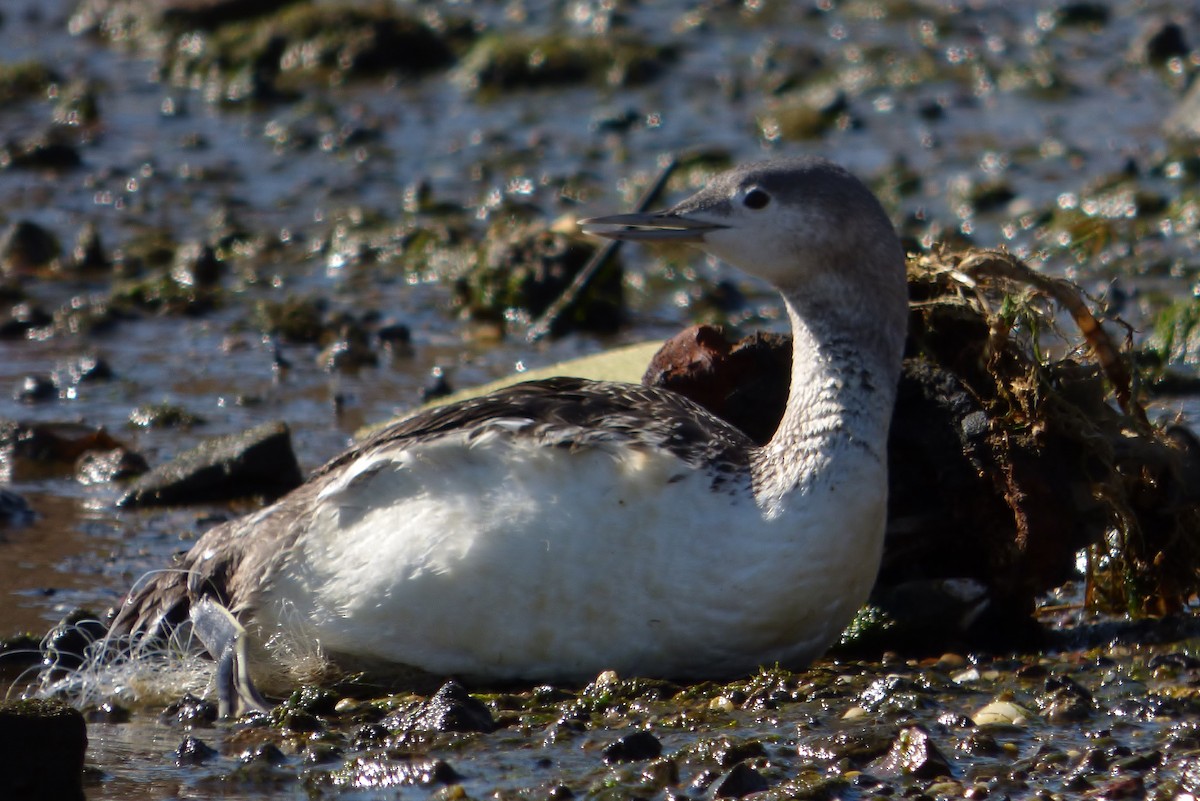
(839,408)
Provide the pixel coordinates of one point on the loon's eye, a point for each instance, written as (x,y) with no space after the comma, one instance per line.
(756,199)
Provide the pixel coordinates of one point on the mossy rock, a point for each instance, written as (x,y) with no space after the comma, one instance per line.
(526,269)
(42,747)
(309,44)
(498,64)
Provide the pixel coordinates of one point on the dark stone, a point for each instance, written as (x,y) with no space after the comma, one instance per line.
(35,389)
(14,510)
(263,754)
(38,449)
(895,694)
(42,747)
(194,751)
(26,246)
(369,735)
(451,709)
(1083,13)
(318,753)
(394,334)
(640,745)
(1163,40)
(1137,763)
(255,462)
(23,318)
(742,780)
(1065,701)
(437,386)
(295,720)
(190,711)
(107,712)
(18,653)
(913,753)
(197,265)
(66,646)
(43,152)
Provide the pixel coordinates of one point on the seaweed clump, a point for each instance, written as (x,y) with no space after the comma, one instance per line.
(1067,445)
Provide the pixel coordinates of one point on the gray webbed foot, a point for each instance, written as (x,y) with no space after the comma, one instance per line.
(225,640)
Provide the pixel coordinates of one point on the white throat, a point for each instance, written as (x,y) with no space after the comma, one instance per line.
(839,409)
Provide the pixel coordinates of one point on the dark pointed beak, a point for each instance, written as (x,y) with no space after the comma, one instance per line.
(653,227)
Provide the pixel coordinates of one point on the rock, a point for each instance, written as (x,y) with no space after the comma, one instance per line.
(438,386)
(395,335)
(740,781)
(196,265)
(42,746)
(189,711)
(39,449)
(101,467)
(47,151)
(66,645)
(23,318)
(529,268)
(194,751)
(107,712)
(35,388)
(451,709)
(745,383)
(858,743)
(164,415)
(18,653)
(1065,701)
(640,745)
(255,462)
(1001,712)
(1159,40)
(25,247)
(913,753)
(14,510)
(263,754)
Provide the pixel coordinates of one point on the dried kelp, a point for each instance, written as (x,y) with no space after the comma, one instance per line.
(1074,454)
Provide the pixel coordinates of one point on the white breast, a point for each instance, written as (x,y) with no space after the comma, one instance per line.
(502,559)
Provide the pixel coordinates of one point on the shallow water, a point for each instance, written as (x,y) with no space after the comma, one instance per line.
(978,118)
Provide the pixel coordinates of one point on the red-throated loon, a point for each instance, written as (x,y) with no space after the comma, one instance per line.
(559,528)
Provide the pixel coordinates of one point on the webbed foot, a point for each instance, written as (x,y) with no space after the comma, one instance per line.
(225,640)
